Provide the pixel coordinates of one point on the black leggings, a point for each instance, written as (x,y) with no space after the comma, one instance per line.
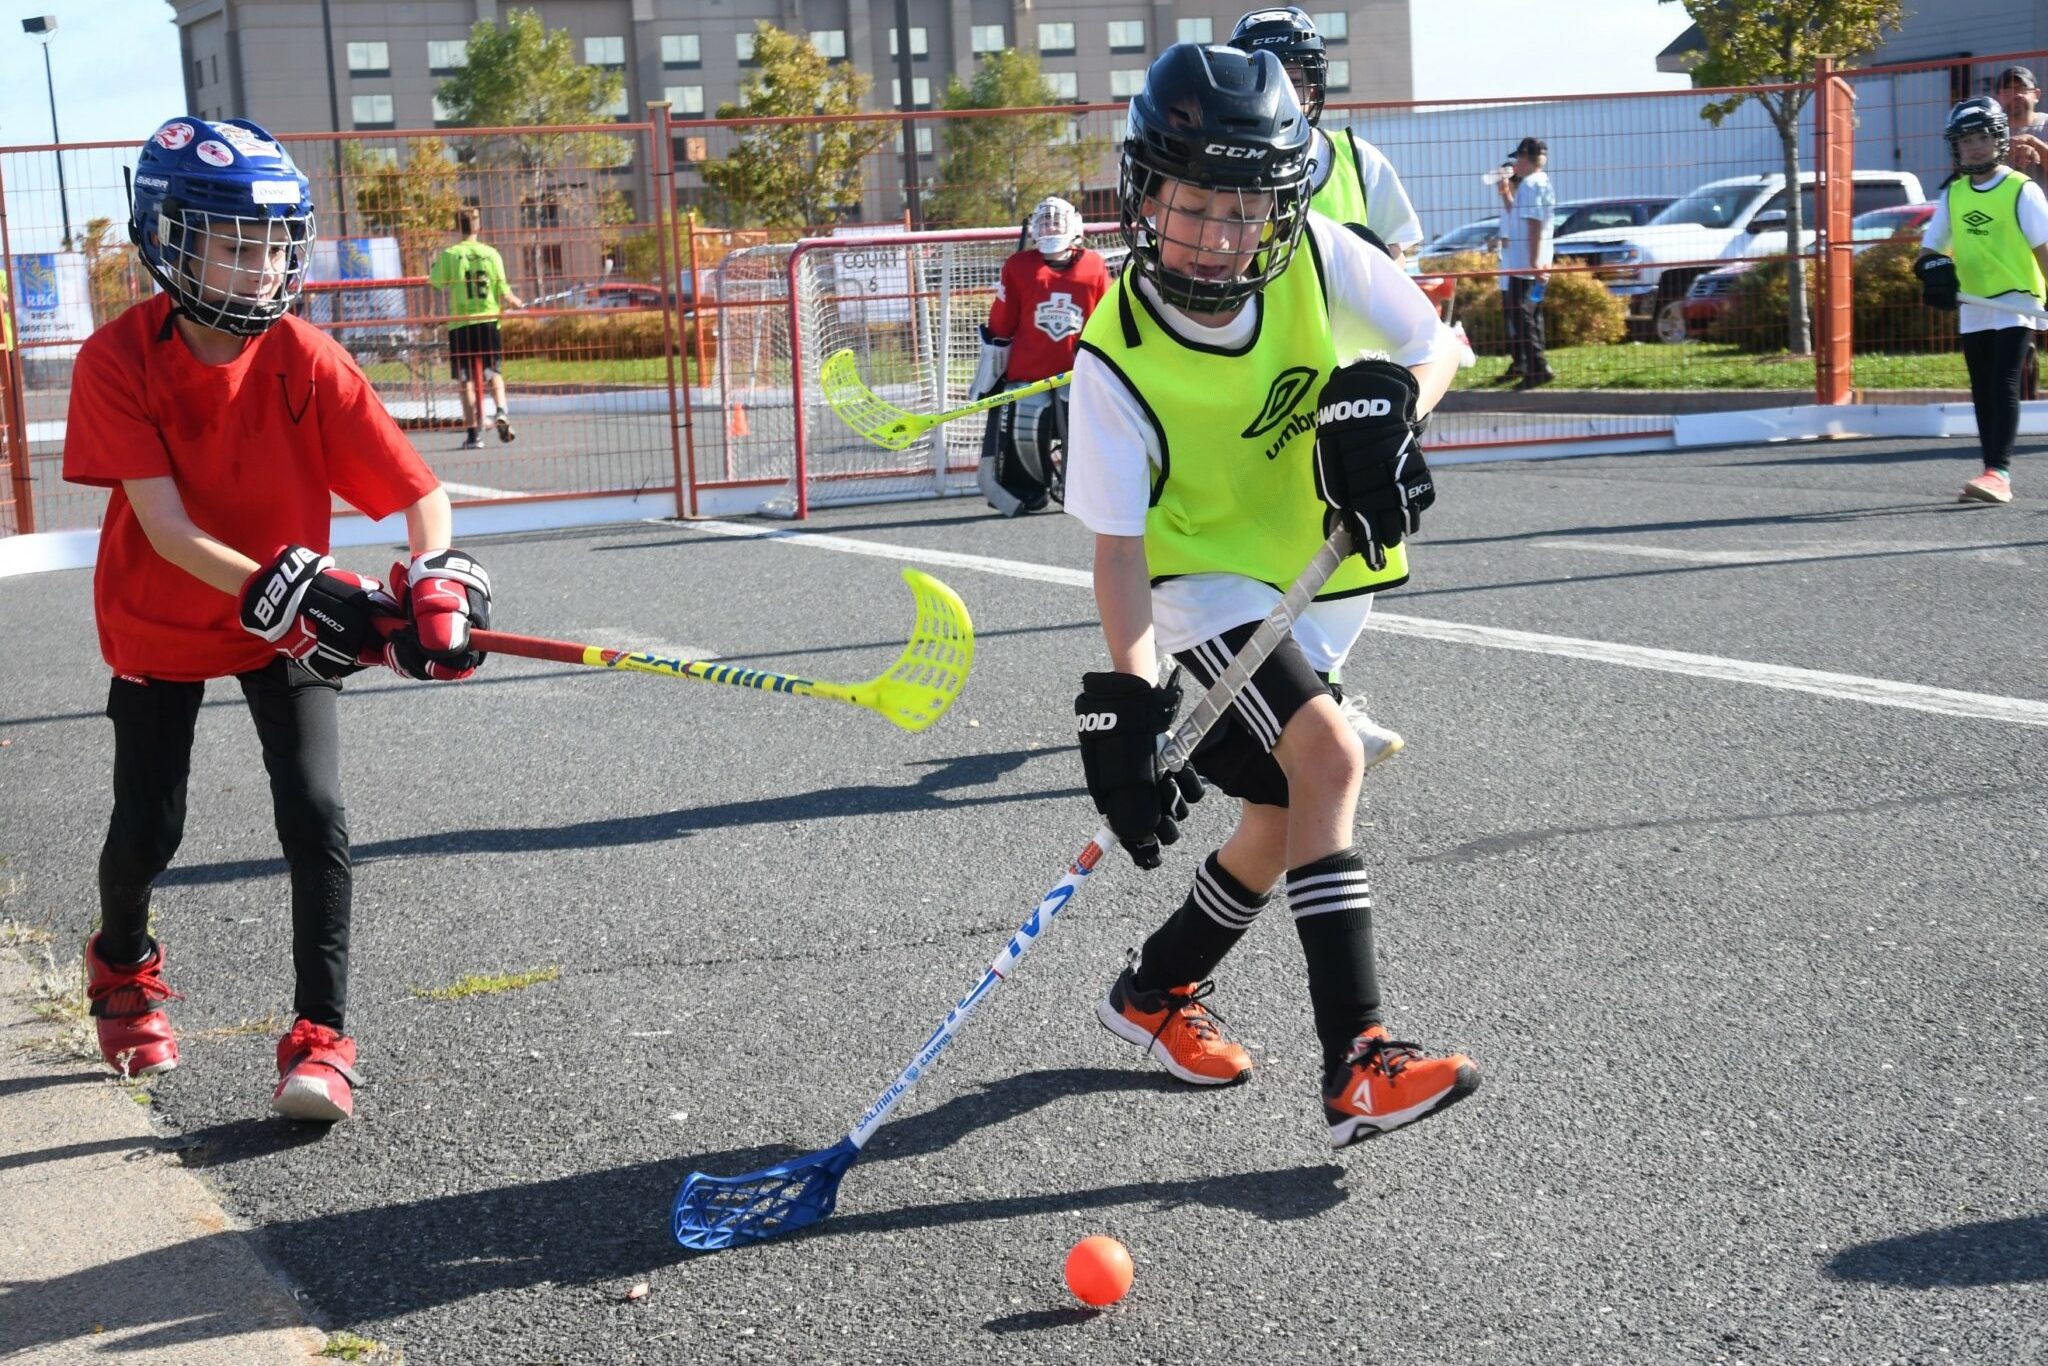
(1997,360)
(296,722)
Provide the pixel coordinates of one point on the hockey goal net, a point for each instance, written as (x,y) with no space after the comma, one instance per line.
(908,305)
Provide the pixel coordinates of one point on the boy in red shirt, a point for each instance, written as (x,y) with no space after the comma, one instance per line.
(1043,296)
(224,429)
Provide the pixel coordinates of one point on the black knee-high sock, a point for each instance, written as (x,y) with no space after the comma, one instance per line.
(1194,938)
(1332,905)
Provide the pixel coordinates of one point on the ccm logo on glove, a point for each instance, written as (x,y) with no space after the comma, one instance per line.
(1352,409)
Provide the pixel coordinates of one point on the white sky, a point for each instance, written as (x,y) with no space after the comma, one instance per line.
(116,61)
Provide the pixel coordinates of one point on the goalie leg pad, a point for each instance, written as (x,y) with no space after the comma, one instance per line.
(988,476)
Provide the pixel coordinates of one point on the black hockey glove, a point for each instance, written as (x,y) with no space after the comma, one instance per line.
(317,614)
(1938,284)
(1121,717)
(1369,468)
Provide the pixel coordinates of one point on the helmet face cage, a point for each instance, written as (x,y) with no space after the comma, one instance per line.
(1055,228)
(1290,35)
(1978,114)
(236,275)
(1215,257)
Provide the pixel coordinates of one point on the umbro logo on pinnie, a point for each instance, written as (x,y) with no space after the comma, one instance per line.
(1281,397)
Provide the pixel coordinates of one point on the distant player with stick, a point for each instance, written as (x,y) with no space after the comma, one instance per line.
(473,274)
(1043,298)
(224,429)
(1214,433)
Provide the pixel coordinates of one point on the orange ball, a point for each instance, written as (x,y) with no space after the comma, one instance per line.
(1099,1271)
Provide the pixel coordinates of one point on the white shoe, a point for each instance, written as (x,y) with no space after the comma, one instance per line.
(1381,743)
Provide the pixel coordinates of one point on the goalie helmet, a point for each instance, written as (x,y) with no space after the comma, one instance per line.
(1225,125)
(1978,114)
(1055,228)
(223,220)
(1290,35)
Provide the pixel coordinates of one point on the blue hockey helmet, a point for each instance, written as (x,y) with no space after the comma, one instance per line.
(224,221)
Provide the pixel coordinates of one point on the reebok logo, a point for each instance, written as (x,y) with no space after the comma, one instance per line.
(1281,398)
(1095,720)
(1352,409)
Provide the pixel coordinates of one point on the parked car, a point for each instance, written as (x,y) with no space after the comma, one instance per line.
(1653,266)
(1471,237)
(607,294)
(1608,215)
(1709,296)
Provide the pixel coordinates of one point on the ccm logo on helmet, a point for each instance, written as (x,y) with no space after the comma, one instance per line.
(1096,720)
(1352,408)
(1224,149)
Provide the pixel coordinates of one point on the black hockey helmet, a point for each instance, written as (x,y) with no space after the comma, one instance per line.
(1225,121)
(1977,114)
(1289,34)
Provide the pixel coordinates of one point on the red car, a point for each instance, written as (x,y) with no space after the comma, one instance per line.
(1708,298)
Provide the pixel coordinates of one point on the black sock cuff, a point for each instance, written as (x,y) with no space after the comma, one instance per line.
(1335,882)
(1223,898)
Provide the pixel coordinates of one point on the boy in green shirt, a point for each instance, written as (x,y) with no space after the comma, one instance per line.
(473,274)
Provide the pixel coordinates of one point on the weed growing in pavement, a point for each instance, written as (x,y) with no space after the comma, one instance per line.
(347,1346)
(488,984)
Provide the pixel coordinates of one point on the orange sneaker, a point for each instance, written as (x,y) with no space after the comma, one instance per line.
(1386,1083)
(1177,1029)
(1992,486)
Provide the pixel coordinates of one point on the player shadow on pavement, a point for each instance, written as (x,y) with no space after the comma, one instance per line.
(593,1229)
(1988,1252)
(933,791)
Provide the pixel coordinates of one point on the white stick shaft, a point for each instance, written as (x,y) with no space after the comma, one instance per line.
(2018,310)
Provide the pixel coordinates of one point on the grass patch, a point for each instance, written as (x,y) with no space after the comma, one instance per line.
(56,996)
(1721,365)
(273,1023)
(635,372)
(347,1346)
(487,984)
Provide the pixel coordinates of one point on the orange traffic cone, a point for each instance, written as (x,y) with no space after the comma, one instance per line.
(736,421)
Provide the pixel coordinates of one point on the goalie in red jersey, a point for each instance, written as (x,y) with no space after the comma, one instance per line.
(1043,298)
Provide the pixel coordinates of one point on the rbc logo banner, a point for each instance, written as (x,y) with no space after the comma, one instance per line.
(36,279)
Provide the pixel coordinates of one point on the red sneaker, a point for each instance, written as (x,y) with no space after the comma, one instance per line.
(1176,1029)
(1386,1084)
(135,1036)
(315,1074)
(1992,486)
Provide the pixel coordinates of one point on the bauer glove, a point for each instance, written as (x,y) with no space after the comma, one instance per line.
(312,612)
(447,594)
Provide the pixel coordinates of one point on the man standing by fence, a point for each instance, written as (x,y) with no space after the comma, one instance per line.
(473,274)
(1529,210)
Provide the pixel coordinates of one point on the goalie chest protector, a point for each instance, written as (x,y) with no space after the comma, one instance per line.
(1235,491)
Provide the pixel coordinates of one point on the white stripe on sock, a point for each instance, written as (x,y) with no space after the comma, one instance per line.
(1321,893)
(1218,904)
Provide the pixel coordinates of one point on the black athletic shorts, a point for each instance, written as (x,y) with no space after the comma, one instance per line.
(1237,753)
(474,342)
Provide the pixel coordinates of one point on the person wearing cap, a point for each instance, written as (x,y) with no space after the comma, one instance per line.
(1527,221)
(2019,94)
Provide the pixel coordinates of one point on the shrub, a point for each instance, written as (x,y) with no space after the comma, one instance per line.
(1577,309)
(1885,299)
(598,335)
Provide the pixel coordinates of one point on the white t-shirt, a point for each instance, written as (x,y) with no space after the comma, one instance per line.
(2033,215)
(1535,201)
(1388,210)
(1112,450)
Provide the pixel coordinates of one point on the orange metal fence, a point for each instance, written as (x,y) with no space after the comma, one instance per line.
(654,259)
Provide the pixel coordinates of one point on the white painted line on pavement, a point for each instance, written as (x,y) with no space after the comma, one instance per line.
(2006,555)
(1877,692)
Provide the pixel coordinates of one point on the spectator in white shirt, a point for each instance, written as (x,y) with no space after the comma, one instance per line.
(1528,218)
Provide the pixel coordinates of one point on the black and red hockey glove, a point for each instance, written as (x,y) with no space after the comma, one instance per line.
(1120,718)
(446,595)
(319,615)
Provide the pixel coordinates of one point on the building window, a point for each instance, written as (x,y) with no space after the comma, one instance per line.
(213,65)
(924,140)
(1340,73)
(1065,85)
(616,107)
(1198,30)
(685,101)
(198,73)
(604,51)
(371,111)
(1127,35)
(376,158)
(919,47)
(446,56)
(1119,129)
(443,115)
(1124,84)
(1055,38)
(829,43)
(551,258)
(920,92)
(1069,135)
(988,38)
(743,48)
(369,59)
(681,49)
(1335,25)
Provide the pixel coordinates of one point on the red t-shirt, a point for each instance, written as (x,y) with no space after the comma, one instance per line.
(258,447)
(1040,307)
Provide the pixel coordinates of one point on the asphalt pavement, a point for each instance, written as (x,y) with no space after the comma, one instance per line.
(1719,842)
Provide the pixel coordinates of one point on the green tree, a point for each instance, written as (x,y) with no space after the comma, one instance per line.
(414,203)
(795,175)
(1768,42)
(996,169)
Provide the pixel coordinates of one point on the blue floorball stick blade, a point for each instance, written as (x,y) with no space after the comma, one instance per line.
(713,1212)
